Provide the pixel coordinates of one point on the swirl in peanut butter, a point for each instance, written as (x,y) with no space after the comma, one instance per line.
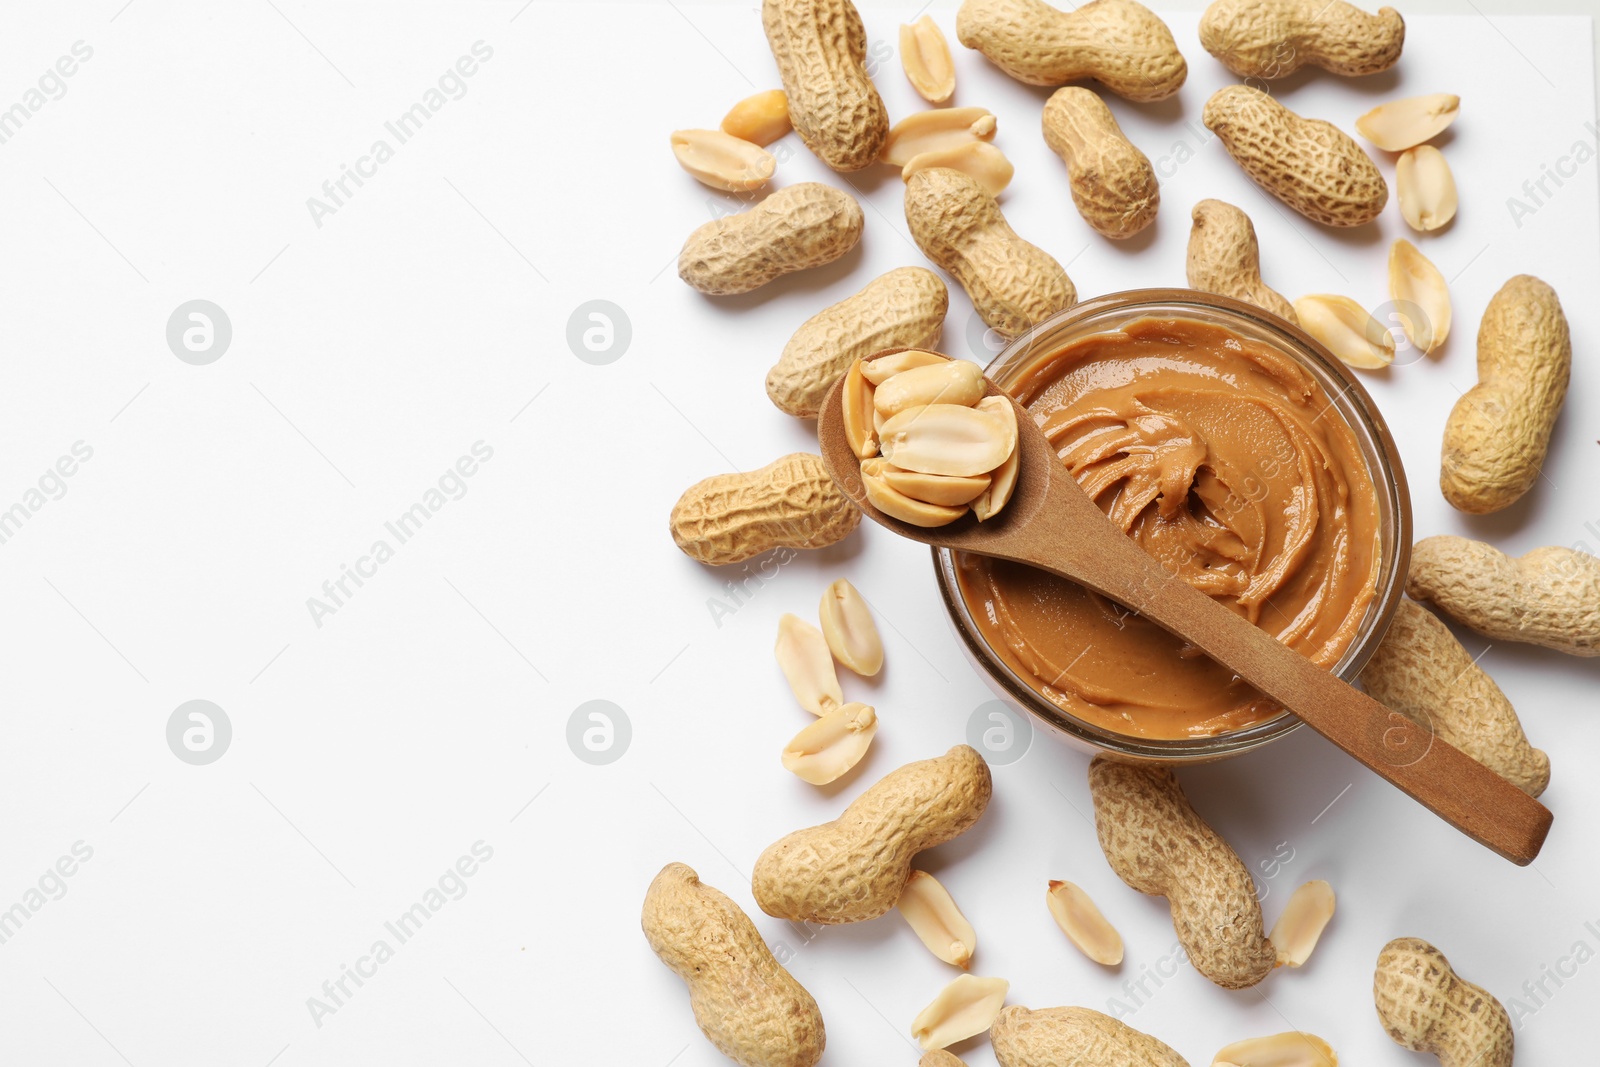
(1224,459)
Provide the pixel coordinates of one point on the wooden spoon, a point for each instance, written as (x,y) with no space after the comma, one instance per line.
(1050,523)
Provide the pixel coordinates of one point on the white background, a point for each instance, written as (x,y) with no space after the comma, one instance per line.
(429,313)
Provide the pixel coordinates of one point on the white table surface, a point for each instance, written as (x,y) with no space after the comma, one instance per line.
(374,745)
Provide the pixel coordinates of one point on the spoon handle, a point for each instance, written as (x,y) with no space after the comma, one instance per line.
(1455,787)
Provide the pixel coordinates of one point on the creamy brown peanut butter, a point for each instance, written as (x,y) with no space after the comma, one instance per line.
(1222,458)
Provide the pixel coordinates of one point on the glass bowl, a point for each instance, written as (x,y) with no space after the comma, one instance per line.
(1348,398)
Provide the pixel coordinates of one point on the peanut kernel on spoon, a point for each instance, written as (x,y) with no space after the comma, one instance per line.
(1001,483)
(945,439)
(934,443)
(897,505)
(879,370)
(807,663)
(941,489)
(858,412)
(950,381)
(1003,411)
(847,626)
(931,912)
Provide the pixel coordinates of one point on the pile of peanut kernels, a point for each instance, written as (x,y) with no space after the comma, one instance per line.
(931,451)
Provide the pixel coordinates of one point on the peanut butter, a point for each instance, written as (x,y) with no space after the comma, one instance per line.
(1223,459)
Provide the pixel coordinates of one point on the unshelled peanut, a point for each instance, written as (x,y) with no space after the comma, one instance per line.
(1275,38)
(1113,185)
(792,502)
(1224,258)
(796,228)
(903,308)
(1120,43)
(1309,164)
(1013,284)
(855,867)
(750,1008)
(1549,597)
(1426,1007)
(1421,671)
(1498,433)
(1074,1037)
(821,48)
(1158,844)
